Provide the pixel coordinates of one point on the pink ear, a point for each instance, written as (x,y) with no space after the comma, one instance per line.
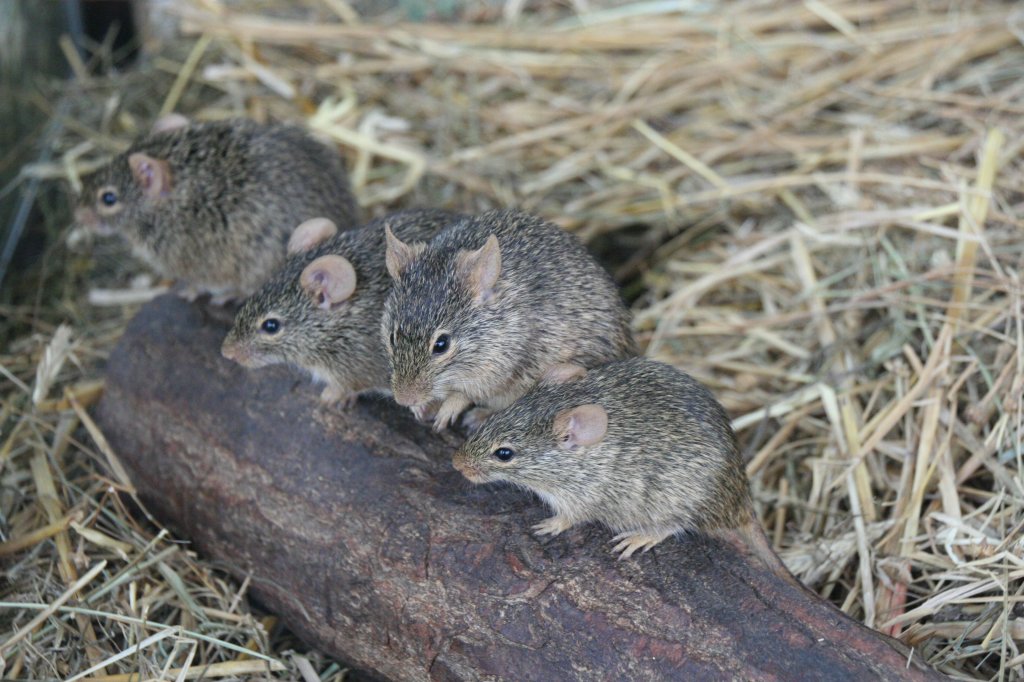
(583,425)
(329,280)
(169,122)
(399,255)
(152,175)
(481,268)
(560,374)
(310,233)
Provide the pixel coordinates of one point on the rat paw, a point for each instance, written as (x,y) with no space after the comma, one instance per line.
(334,395)
(553,526)
(189,293)
(425,413)
(224,298)
(449,411)
(636,541)
(474,419)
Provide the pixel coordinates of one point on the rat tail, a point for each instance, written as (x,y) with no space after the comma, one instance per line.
(749,538)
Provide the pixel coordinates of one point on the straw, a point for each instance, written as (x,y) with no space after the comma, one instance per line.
(815,209)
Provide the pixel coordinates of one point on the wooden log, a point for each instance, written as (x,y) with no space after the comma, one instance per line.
(372,548)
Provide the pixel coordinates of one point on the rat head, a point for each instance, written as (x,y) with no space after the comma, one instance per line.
(117,196)
(436,320)
(545,440)
(540,451)
(294,316)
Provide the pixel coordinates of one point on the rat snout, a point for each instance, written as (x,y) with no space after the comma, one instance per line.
(409,397)
(234,351)
(87,217)
(462,464)
(247,354)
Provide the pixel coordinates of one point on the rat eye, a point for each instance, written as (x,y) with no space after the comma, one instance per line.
(270,326)
(108,198)
(394,338)
(504,454)
(441,344)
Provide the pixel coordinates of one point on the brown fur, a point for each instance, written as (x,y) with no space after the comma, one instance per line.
(236,189)
(550,303)
(338,344)
(666,460)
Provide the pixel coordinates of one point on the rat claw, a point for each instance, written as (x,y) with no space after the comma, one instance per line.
(624,549)
(631,542)
(553,526)
(441,422)
(449,411)
(424,413)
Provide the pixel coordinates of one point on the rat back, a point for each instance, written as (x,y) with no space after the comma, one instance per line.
(673,445)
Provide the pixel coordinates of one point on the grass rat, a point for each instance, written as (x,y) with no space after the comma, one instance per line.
(637,445)
(480,312)
(212,204)
(321,310)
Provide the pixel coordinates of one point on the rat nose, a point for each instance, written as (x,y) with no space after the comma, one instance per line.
(462,465)
(231,351)
(407,397)
(459,462)
(86,217)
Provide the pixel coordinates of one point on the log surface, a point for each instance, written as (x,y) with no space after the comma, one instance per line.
(358,533)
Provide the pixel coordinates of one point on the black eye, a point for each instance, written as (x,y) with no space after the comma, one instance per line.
(108,198)
(394,338)
(270,326)
(504,454)
(441,344)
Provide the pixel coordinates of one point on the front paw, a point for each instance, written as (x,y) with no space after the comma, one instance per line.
(449,411)
(425,412)
(224,298)
(335,395)
(188,292)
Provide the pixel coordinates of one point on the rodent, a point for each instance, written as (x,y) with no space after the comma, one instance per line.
(636,444)
(212,204)
(321,310)
(481,311)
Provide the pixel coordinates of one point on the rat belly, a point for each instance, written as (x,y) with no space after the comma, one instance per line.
(565,504)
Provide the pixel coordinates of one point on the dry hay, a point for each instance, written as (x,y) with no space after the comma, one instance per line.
(815,207)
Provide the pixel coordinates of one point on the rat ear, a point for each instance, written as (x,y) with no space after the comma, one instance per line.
(329,280)
(481,268)
(562,373)
(583,425)
(309,234)
(399,255)
(169,122)
(152,175)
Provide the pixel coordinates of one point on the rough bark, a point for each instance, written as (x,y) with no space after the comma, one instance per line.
(360,535)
